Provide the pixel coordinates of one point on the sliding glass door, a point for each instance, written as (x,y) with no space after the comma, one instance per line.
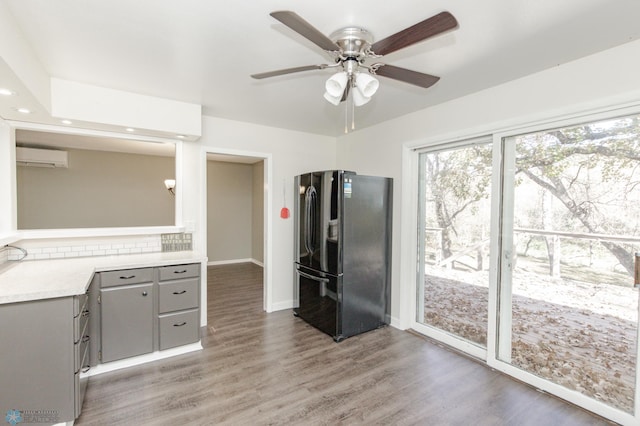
(529,257)
(455,191)
(571,237)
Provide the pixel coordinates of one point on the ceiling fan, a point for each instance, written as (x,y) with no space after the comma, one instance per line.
(352,46)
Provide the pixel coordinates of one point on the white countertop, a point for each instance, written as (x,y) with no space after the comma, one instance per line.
(45,279)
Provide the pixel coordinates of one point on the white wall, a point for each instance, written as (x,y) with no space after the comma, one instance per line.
(287,153)
(606,79)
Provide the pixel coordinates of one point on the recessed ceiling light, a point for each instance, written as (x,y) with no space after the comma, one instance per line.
(129,129)
(6,92)
(23,110)
(66,121)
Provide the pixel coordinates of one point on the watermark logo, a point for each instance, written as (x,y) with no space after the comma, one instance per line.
(13,417)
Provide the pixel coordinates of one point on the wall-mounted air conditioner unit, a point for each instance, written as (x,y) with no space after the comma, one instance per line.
(36,157)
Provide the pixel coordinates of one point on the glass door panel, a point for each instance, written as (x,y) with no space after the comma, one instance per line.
(569,308)
(454,221)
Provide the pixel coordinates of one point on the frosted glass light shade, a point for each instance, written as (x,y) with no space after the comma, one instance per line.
(366,84)
(358,98)
(336,83)
(170,184)
(333,99)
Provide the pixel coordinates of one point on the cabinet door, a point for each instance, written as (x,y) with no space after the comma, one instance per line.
(127,321)
(36,358)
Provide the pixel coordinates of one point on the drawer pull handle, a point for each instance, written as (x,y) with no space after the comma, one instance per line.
(85,339)
(180,325)
(85,313)
(86,368)
(127,277)
(180,292)
(180,272)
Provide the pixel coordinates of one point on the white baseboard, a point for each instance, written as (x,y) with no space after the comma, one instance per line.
(232,261)
(281,306)
(142,359)
(395,323)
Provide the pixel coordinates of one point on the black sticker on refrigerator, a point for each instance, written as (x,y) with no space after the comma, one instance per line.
(347,189)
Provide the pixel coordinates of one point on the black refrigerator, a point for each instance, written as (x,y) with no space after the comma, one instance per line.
(342,251)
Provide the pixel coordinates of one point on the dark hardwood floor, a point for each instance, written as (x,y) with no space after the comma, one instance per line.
(262,369)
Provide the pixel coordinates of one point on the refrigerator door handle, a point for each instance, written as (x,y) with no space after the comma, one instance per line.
(307,218)
(311,277)
(310,219)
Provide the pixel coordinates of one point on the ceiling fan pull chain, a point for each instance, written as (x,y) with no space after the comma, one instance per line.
(353,113)
(346,118)
(346,105)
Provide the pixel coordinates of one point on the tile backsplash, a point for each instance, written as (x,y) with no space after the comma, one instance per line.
(60,248)
(84,247)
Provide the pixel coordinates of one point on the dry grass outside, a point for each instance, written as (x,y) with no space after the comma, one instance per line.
(579,335)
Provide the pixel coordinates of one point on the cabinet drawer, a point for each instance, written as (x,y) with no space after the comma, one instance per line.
(126,276)
(81,355)
(178,295)
(176,272)
(80,303)
(80,326)
(179,329)
(81,380)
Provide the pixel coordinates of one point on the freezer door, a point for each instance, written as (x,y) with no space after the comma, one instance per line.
(367,253)
(319,300)
(318,220)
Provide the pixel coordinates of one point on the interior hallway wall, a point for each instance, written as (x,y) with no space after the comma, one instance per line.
(229,211)
(257,213)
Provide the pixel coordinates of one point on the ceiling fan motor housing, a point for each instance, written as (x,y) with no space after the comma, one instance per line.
(354,43)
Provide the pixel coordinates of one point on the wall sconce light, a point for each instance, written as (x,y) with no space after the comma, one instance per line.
(171,185)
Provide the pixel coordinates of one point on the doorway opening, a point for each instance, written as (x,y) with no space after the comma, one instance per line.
(236,214)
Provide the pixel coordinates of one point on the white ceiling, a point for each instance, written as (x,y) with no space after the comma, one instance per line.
(203,51)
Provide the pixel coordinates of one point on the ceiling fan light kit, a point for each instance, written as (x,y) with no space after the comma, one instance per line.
(366,84)
(351,47)
(333,99)
(359,99)
(336,84)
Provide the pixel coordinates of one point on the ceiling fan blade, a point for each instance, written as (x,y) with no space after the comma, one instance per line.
(403,74)
(430,27)
(305,29)
(288,71)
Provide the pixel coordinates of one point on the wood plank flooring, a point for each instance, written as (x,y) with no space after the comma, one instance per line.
(274,369)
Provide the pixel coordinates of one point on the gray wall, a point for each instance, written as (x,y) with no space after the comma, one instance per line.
(99,189)
(233,208)
(257,238)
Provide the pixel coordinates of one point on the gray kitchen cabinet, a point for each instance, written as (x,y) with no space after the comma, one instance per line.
(178,305)
(44,353)
(146,310)
(126,320)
